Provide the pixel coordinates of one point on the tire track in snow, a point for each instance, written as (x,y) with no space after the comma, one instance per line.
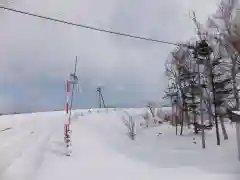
(26,166)
(6,129)
(15,142)
(11,153)
(22,149)
(26,163)
(43,150)
(18,126)
(38,157)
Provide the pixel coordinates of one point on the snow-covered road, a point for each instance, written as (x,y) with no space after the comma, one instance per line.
(33,150)
(23,143)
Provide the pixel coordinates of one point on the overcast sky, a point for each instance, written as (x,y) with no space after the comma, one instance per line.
(37,55)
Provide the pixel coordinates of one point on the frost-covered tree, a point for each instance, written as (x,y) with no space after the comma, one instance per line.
(216,72)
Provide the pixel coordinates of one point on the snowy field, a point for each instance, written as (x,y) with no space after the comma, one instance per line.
(32,149)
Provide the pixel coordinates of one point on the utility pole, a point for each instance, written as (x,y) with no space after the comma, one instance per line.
(73,80)
(203,49)
(100,98)
(201,106)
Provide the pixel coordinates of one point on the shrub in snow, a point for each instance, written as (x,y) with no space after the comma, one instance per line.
(130,123)
(89,111)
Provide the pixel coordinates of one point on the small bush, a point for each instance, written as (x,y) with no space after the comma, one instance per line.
(131,126)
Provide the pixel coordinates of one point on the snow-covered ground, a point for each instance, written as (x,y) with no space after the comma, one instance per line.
(32,149)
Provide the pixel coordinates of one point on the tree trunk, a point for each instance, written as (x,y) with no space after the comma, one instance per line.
(235,91)
(182,118)
(224,131)
(172,108)
(211,76)
(210,112)
(194,114)
(176,120)
(188,119)
(230,50)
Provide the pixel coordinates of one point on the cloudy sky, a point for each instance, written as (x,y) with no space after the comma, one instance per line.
(37,55)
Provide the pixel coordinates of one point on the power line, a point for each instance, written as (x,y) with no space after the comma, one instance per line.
(88,27)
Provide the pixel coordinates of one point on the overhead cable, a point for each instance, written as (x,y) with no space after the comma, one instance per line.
(88,27)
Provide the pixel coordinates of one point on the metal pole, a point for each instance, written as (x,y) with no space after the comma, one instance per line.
(99,97)
(201,108)
(70,110)
(102,100)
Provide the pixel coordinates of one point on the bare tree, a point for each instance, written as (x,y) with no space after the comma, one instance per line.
(151,109)
(130,123)
(228,39)
(217,51)
(178,70)
(224,131)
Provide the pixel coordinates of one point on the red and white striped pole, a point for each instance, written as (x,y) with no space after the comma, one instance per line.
(67,129)
(67,95)
(67,105)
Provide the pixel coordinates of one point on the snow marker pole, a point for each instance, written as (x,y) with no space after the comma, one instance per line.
(67,95)
(70,96)
(66,126)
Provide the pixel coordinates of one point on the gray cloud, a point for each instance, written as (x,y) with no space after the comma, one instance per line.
(34,50)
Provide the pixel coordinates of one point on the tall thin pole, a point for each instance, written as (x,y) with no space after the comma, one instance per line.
(102,100)
(201,108)
(67,96)
(99,97)
(72,95)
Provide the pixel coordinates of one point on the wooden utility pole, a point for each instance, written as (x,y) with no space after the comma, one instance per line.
(201,106)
